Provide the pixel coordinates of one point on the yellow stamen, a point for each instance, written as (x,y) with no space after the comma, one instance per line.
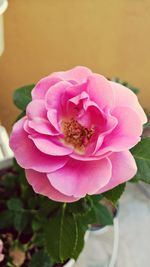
(76,135)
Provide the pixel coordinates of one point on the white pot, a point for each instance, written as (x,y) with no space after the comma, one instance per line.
(69,263)
(101,230)
(6,155)
(102,247)
(3,7)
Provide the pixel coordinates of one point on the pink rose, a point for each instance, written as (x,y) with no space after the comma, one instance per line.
(76,135)
(1,249)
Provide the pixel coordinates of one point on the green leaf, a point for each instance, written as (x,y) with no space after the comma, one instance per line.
(79,207)
(14,204)
(40,259)
(141,153)
(39,239)
(96,198)
(98,214)
(36,225)
(61,235)
(80,230)
(102,215)
(6,219)
(134,180)
(20,221)
(48,206)
(114,194)
(22,96)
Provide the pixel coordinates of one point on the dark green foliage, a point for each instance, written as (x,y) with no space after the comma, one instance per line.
(14,204)
(114,194)
(66,230)
(61,235)
(102,215)
(40,259)
(22,96)
(6,218)
(51,227)
(141,153)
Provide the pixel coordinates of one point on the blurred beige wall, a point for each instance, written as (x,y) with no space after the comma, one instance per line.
(111,37)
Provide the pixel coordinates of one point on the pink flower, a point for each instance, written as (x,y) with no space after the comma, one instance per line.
(76,135)
(1,249)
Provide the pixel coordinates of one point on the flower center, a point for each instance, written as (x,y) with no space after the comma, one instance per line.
(76,135)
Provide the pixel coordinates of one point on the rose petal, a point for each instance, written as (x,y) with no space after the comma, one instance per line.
(53,119)
(127,132)
(36,109)
(28,129)
(43,85)
(105,129)
(42,185)
(79,178)
(50,146)
(42,126)
(95,114)
(28,156)
(125,97)
(53,103)
(78,74)
(103,124)
(87,157)
(77,99)
(123,169)
(100,91)
(54,95)
(57,99)
(37,115)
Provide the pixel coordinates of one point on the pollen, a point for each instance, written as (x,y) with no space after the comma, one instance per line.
(76,134)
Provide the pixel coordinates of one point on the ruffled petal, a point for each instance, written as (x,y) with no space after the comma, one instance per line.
(125,97)
(79,178)
(78,74)
(36,109)
(100,91)
(51,146)
(42,185)
(123,169)
(28,156)
(126,134)
(42,126)
(52,116)
(76,99)
(57,99)
(54,103)
(74,76)
(43,85)
(55,94)
(105,129)
(87,157)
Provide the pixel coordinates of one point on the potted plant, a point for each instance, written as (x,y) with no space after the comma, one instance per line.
(77,142)
(24,220)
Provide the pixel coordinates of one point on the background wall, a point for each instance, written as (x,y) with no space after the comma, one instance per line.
(110,37)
